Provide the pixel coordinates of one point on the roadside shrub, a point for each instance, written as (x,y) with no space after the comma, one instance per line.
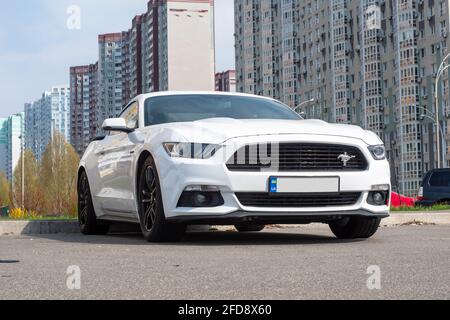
(21,214)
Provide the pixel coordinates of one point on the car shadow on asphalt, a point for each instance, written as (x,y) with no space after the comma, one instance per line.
(209,238)
(231,238)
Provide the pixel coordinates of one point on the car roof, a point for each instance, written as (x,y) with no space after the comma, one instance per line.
(219,93)
(440,170)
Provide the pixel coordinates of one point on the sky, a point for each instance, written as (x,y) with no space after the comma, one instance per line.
(37,48)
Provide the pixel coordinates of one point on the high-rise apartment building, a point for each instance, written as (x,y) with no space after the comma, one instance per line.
(110,75)
(177,45)
(186,54)
(3,144)
(132,61)
(44,117)
(226,81)
(150,48)
(11,134)
(366,62)
(169,47)
(35,113)
(83,105)
(60,111)
(15,134)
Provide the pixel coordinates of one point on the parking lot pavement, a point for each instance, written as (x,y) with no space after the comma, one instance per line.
(300,263)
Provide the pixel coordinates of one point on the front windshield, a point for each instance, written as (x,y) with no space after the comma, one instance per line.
(187,108)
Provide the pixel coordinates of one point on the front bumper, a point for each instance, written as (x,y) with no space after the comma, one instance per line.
(177,174)
(271,218)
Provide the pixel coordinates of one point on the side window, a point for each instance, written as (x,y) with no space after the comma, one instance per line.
(440,179)
(131,115)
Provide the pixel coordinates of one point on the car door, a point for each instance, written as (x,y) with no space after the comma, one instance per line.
(115,160)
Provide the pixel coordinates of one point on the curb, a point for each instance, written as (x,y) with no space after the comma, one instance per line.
(38,227)
(69,227)
(437,218)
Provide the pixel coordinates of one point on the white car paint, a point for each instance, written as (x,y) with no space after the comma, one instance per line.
(111,164)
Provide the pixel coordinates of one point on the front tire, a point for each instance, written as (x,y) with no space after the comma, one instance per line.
(355,227)
(87,219)
(154,225)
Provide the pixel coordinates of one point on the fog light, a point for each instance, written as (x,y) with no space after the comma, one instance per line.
(201,199)
(378,198)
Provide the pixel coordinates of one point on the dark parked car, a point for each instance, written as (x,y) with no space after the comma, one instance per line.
(435,188)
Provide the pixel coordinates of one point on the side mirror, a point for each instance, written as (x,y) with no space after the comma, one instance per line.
(116,124)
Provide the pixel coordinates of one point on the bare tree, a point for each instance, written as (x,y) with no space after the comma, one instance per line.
(58,171)
(33,188)
(4,190)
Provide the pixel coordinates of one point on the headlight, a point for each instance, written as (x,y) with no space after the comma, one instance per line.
(190,150)
(378,152)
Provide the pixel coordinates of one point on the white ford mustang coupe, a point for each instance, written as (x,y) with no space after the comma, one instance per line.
(174,159)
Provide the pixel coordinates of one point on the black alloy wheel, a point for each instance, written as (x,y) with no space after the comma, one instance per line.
(154,225)
(149,198)
(89,225)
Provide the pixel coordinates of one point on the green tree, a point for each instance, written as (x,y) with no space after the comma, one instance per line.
(32,185)
(4,191)
(58,171)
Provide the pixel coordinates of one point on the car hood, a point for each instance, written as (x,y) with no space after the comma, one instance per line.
(219,130)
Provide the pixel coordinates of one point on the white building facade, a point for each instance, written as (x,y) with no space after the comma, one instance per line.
(3,144)
(44,117)
(11,133)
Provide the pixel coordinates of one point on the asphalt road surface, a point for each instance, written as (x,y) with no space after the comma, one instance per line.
(300,263)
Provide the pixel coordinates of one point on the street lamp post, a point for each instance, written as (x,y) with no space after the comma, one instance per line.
(444,66)
(432,116)
(426,111)
(439,128)
(23,170)
(304,103)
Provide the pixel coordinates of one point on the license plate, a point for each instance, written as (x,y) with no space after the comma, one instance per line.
(304,185)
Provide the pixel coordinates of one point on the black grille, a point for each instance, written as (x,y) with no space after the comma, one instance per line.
(298,157)
(292,200)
